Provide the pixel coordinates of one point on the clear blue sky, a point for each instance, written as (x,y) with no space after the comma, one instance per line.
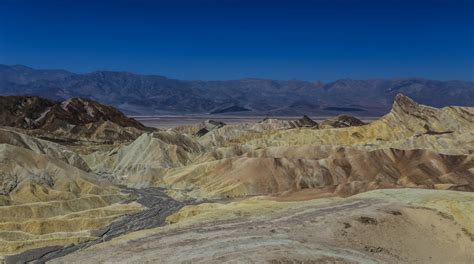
(205,39)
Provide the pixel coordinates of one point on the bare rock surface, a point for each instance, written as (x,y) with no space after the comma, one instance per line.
(341,121)
(73,119)
(54,150)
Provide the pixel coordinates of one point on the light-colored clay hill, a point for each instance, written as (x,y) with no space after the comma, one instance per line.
(48,198)
(39,146)
(343,172)
(407,119)
(233,133)
(147,155)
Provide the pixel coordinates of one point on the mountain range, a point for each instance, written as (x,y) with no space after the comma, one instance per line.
(136,94)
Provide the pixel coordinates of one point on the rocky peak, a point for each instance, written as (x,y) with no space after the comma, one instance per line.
(213,124)
(306,121)
(404,104)
(342,121)
(430,120)
(207,126)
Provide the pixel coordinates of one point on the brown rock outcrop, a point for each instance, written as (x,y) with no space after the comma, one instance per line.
(73,119)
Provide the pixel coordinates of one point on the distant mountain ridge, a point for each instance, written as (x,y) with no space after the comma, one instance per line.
(137,94)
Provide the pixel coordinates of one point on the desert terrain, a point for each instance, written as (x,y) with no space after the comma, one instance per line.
(80,182)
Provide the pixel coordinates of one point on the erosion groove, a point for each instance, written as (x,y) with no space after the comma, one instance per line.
(158,207)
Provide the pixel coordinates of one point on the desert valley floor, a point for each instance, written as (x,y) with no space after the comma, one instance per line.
(80,182)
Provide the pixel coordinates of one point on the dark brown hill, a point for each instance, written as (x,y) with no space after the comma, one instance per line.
(74,118)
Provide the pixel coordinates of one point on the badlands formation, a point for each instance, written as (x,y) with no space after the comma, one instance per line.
(70,120)
(108,189)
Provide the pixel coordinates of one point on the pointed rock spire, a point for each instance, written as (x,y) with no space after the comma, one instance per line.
(404,104)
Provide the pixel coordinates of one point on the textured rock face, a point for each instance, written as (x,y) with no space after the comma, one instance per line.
(415,116)
(72,119)
(19,111)
(200,129)
(49,197)
(148,155)
(341,121)
(234,133)
(275,124)
(343,172)
(397,126)
(87,111)
(30,170)
(47,202)
(39,146)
